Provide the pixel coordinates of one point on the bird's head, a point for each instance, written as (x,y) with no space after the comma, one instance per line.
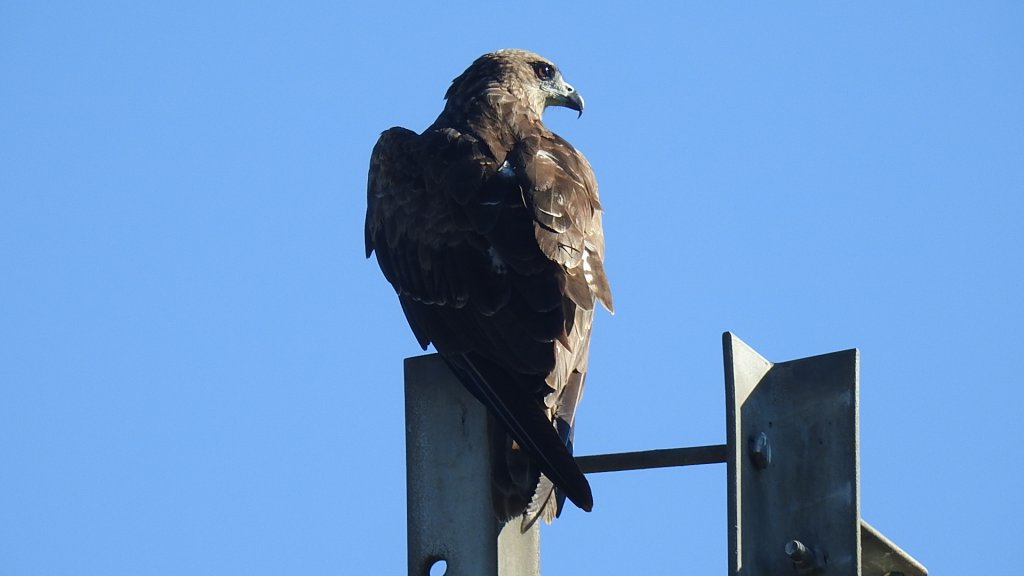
(529,77)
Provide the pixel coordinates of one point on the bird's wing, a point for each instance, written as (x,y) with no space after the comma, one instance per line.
(425,246)
(493,275)
(560,189)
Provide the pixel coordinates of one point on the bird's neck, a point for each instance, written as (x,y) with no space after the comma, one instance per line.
(497,117)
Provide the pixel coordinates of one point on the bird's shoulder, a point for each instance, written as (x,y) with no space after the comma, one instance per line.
(561,189)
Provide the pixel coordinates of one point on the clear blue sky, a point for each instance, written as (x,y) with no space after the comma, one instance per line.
(201,374)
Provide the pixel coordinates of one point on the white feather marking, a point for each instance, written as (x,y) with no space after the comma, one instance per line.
(496,262)
(506,170)
(545,155)
(588,270)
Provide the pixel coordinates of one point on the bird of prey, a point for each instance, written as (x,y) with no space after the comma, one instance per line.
(488,226)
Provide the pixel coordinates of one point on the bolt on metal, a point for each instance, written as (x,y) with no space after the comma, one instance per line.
(761,451)
(806,560)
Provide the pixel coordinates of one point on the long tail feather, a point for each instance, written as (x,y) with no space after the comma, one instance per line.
(525,421)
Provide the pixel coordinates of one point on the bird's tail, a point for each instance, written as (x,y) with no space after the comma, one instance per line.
(523,418)
(548,499)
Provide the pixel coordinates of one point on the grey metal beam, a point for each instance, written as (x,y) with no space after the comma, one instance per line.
(794,469)
(448,482)
(792,459)
(663,458)
(793,463)
(880,557)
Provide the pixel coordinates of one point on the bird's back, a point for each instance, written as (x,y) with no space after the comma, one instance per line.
(492,240)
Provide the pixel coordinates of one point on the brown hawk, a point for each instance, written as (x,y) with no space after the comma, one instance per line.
(488,226)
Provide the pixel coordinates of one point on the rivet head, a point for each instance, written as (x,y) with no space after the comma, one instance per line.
(760,451)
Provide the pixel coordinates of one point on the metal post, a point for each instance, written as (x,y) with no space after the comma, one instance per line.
(794,469)
(794,487)
(793,473)
(448,482)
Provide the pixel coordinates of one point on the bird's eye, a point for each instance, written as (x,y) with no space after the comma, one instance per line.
(544,70)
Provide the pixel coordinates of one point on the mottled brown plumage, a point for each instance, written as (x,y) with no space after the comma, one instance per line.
(488,226)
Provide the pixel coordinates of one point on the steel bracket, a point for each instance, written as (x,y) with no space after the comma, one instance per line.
(793,461)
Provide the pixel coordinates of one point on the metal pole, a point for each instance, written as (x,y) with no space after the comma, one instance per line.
(448,482)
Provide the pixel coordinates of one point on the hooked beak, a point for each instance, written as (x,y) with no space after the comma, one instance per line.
(568,97)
